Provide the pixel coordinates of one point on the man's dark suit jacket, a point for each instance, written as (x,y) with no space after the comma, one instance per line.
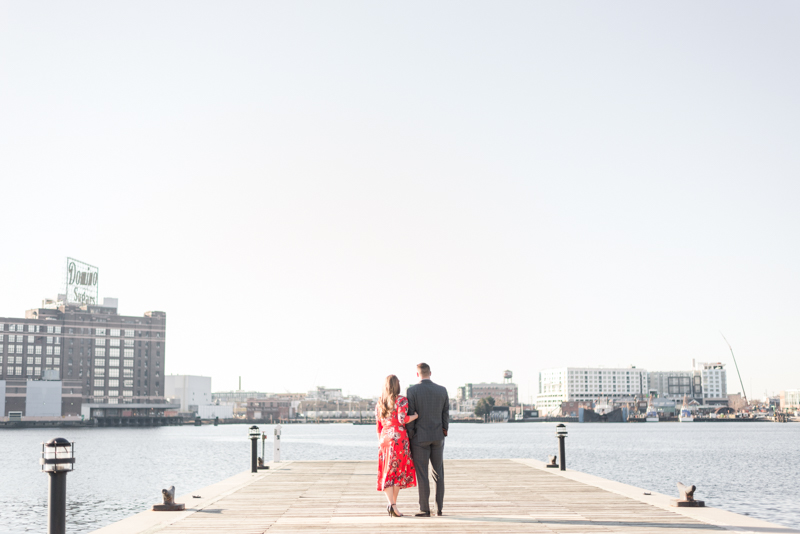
(432,404)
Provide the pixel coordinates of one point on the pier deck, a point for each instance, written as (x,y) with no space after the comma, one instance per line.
(509,496)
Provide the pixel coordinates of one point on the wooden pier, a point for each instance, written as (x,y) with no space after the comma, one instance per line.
(493,496)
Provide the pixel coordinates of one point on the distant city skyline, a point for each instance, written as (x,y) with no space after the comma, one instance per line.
(328,196)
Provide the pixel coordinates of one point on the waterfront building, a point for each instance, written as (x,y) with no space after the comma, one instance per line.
(237,400)
(193,394)
(675,384)
(247,403)
(461,408)
(790,400)
(715,382)
(572,408)
(190,391)
(505,393)
(569,384)
(706,383)
(236,397)
(45,398)
(94,353)
(350,408)
(270,409)
(212,411)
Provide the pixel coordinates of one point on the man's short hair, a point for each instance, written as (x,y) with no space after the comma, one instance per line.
(424,369)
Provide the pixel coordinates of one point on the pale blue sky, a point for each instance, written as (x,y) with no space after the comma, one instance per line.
(324,193)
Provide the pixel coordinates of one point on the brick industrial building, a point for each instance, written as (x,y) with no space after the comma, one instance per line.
(505,394)
(93,355)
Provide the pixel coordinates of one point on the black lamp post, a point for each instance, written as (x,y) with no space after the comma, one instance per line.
(561,432)
(58,457)
(254,434)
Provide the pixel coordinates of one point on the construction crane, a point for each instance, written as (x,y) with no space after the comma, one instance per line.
(736,365)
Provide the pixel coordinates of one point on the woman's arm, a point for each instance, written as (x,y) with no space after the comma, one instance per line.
(410,418)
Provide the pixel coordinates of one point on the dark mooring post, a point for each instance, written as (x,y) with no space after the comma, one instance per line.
(561,432)
(254,434)
(58,457)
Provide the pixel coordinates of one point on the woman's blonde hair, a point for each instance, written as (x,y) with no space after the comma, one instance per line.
(391,389)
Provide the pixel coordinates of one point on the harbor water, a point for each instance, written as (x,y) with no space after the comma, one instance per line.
(747,468)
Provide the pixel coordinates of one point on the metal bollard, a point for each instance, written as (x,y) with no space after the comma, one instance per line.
(276,451)
(58,457)
(263,439)
(253,434)
(561,432)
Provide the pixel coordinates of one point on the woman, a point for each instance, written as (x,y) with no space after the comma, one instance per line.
(395,466)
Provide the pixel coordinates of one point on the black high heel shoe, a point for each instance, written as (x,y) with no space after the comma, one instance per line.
(389,509)
(393,513)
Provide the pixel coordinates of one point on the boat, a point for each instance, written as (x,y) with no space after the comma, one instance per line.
(652,413)
(686,414)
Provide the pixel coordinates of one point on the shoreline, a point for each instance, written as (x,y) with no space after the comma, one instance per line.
(15,425)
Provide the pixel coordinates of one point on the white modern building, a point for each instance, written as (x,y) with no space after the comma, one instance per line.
(715,381)
(675,384)
(790,399)
(567,384)
(707,383)
(191,391)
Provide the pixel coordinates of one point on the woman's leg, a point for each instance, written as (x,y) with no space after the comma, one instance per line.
(394,502)
(390,495)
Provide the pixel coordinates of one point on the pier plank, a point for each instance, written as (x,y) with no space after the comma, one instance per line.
(497,496)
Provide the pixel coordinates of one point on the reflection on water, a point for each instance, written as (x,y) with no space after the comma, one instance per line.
(120,471)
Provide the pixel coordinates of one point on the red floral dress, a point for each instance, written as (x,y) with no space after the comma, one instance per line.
(395,466)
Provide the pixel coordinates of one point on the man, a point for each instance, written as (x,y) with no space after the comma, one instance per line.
(427,433)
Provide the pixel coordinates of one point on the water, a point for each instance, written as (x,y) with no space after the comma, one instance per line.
(748,468)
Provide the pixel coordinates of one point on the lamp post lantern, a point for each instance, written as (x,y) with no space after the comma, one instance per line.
(58,457)
(254,434)
(561,433)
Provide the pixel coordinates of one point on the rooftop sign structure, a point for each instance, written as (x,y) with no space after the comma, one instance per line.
(81,282)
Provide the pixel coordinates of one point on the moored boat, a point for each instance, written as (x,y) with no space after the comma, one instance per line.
(686,413)
(652,413)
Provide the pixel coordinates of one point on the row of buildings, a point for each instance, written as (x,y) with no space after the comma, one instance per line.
(704,386)
(83,360)
(194,396)
(703,383)
(562,391)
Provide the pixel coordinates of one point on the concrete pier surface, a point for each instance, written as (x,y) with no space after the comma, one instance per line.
(493,496)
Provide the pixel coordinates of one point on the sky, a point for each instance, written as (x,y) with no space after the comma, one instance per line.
(322,194)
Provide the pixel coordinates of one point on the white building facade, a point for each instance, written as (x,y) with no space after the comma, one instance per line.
(567,384)
(707,383)
(212,411)
(43,398)
(715,381)
(675,384)
(192,391)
